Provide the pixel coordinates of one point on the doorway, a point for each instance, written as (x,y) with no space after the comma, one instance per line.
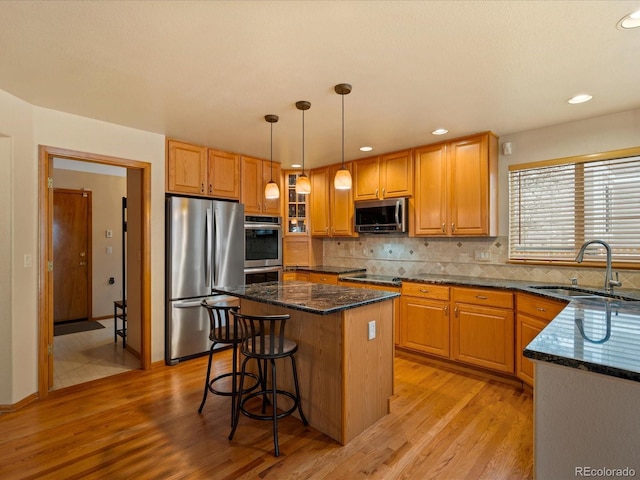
(139,174)
(72,251)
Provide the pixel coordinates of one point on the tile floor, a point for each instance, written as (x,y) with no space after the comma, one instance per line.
(85,356)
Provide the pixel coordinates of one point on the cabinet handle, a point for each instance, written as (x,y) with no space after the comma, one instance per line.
(202,188)
(376,193)
(453,227)
(446,310)
(424,290)
(210,188)
(383,193)
(444,228)
(481,297)
(455,311)
(540,309)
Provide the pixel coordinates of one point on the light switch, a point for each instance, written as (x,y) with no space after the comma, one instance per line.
(108,233)
(109,250)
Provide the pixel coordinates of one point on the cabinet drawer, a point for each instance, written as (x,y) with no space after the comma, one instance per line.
(477,296)
(425,290)
(539,307)
(323,278)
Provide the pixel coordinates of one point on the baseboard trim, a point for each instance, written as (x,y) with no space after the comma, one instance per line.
(17,406)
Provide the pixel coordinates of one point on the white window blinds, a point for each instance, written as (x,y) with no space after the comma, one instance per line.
(554,209)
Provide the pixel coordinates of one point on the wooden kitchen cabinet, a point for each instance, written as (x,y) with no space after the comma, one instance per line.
(186,168)
(456,188)
(326,278)
(396,302)
(255,174)
(424,318)
(386,176)
(223,174)
(483,328)
(533,314)
(202,171)
(301,251)
(331,209)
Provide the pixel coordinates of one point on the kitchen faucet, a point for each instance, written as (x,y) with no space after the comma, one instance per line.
(609,282)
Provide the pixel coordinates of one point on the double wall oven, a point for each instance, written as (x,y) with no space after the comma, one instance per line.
(263,249)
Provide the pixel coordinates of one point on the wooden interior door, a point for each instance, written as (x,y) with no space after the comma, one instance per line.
(71,255)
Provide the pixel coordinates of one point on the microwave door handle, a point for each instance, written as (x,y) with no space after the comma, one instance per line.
(208,234)
(398,214)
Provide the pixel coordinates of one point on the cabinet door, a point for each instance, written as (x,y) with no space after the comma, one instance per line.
(396,174)
(270,206)
(251,185)
(430,207)
(527,329)
(366,179)
(326,278)
(320,205)
(223,175)
(186,168)
(469,180)
(425,325)
(341,214)
(483,336)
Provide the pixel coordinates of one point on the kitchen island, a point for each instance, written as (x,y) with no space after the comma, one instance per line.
(345,349)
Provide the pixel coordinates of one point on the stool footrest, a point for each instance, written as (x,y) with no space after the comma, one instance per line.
(229,393)
(268,416)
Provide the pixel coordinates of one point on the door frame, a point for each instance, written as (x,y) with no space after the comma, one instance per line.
(89,252)
(45,280)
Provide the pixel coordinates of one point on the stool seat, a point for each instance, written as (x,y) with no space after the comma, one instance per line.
(263,340)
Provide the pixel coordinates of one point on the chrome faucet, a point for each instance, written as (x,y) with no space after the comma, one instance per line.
(609,282)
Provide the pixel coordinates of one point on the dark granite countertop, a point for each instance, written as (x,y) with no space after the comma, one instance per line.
(382,280)
(327,269)
(594,335)
(310,297)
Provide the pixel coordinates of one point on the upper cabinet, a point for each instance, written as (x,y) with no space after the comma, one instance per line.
(196,170)
(256,173)
(456,188)
(186,168)
(331,209)
(386,176)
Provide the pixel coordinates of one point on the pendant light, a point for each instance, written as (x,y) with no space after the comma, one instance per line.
(342,180)
(303,185)
(271,190)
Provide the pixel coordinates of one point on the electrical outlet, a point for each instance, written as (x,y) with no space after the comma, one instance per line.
(482,255)
(372,329)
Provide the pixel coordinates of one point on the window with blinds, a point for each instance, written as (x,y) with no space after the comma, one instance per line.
(554,207)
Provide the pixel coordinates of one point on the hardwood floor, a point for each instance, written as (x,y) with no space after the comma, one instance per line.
(145,424)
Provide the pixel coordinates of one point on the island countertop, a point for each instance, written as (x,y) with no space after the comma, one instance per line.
(317,298)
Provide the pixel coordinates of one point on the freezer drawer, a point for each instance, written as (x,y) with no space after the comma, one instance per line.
(188,328)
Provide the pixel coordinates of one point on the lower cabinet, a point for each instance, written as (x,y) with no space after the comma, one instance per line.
(533,314)
(483,330)
(424,318)
(328,278)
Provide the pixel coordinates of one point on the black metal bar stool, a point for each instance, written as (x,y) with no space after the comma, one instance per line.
(263,339)
(224,331)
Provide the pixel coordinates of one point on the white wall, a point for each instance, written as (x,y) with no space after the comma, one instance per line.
(5,264)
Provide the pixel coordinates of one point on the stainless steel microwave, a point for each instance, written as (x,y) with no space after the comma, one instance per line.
(381,216)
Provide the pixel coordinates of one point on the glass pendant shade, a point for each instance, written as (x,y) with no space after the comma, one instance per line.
(342,180)
(271,190)
(303,185)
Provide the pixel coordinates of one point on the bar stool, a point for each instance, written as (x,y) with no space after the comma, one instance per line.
(263,339)
(224,331)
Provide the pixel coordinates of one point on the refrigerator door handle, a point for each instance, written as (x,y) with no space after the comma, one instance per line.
(208,249)
(197,303)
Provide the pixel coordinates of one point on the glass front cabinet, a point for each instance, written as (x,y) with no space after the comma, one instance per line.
(296,210)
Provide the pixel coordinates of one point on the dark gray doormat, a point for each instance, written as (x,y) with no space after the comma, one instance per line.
(75,327)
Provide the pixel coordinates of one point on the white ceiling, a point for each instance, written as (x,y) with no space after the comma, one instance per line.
(208,71)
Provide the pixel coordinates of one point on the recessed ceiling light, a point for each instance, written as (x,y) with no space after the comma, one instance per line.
(440,131)
(630,21)
(583,97)
(295,165)
(366,149)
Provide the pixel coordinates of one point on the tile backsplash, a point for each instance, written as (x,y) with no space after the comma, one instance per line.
(473,257)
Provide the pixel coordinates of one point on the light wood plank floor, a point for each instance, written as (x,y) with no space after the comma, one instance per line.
(145,424)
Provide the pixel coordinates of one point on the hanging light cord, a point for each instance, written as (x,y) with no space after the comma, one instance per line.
(271,172)
(342,131)
(303,142)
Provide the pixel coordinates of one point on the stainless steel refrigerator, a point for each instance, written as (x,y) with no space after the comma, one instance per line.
(204,249)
